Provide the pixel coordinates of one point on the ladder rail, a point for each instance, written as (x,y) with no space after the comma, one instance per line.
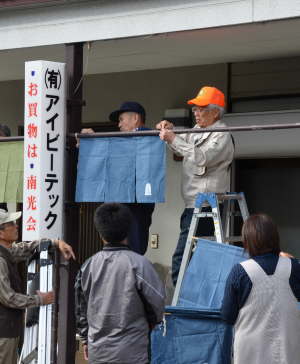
(43,312)
(186,257)
(49,316)
(225,217)
(218,224)
(34,337)
(32,342)
(243,207)
(27,335)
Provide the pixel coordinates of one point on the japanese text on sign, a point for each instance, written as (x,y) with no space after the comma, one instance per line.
(44,149)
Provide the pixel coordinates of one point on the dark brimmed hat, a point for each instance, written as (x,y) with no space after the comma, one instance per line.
(127,106)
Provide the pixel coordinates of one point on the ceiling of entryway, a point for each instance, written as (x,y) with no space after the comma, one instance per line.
(217,45)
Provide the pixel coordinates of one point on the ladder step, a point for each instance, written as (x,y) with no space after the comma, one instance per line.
(30,357)
(229,197)
(206,214)
(235,213)
(214,215)
(233,239)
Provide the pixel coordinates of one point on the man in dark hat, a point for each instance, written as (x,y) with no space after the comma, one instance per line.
(132,117)
(4,131)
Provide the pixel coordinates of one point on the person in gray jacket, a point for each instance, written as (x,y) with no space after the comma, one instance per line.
(207,159)
(119,296)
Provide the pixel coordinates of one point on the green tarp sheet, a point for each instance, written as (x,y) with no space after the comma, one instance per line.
(11,171)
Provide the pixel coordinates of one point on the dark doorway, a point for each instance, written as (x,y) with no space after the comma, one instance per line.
(271,186)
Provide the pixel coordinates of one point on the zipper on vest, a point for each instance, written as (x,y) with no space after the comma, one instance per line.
(12,320)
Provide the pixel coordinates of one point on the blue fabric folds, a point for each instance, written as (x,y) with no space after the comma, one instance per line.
(91,174)
(123,169)
(204,281)
(192,336)
(195,331)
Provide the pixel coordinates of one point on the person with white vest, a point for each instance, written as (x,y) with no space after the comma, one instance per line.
(261,298)
(206,164)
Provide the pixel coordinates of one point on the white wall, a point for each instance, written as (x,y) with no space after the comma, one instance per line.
(266,143)
(265,78)
(77,21)
(11,207)
(156,90)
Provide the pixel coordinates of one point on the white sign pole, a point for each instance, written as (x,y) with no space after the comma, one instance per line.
(44,150)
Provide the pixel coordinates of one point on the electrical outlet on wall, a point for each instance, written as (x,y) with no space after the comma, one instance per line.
(154,241)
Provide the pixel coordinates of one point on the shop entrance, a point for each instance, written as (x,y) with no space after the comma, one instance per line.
(271,186)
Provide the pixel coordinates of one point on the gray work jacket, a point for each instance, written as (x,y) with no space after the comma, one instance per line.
(206,162)
(118,296)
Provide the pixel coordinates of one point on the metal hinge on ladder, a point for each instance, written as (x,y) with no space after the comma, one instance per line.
(221,227)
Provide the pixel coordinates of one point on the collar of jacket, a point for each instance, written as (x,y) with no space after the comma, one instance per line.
(8,253)
(141,128)
(116,247)
(217,124)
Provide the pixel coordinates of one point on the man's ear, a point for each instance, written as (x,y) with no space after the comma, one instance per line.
(216,113)
(1,234)
(136,118)
(104,241)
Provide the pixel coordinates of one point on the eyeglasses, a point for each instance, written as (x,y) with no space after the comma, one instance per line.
(12,223)
(196,110)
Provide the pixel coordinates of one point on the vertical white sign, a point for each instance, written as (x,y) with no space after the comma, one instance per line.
(44,148)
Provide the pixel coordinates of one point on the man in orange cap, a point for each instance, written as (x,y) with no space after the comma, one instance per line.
(206,164)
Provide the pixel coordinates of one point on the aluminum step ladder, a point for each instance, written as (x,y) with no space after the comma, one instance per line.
(38,321)
(221,227)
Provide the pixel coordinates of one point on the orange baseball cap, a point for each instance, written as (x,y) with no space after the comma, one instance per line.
(209,95)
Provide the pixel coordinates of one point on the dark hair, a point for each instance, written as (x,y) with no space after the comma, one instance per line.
(260,236)
(142,117)
(113,221)
(3,206)
(4,130)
